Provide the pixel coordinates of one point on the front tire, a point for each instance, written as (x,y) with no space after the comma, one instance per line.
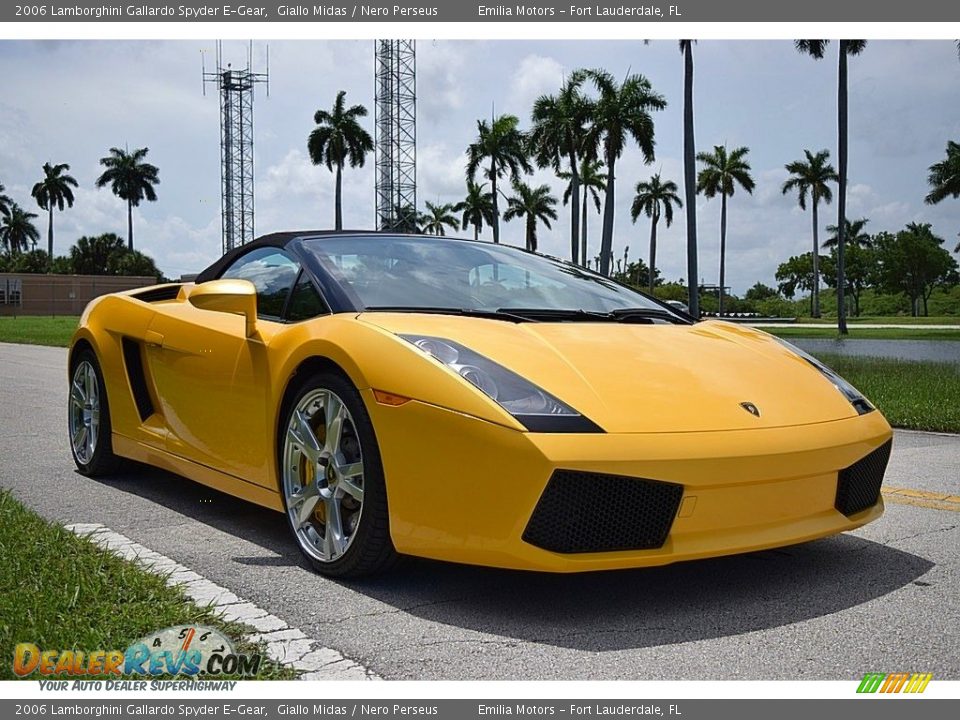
(331,479)
(88,418)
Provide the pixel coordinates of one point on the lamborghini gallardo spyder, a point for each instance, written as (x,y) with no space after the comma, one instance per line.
(459,400)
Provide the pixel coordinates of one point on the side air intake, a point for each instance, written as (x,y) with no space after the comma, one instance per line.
(133,362)
(158,294)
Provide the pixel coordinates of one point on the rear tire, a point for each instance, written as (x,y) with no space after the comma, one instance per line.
(331,479)
(88,418)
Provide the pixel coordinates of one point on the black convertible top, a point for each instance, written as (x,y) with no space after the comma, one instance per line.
(277,239)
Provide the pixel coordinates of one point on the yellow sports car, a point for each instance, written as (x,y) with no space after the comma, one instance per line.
(471,402)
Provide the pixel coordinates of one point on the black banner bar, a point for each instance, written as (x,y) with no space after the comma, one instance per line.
(145,706)
(472,11)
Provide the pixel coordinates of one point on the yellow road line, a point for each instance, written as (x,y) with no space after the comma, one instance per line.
(930,499)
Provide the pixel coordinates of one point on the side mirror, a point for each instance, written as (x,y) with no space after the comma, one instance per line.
(238,297)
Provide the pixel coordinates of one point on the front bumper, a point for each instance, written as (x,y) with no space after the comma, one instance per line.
(463,489)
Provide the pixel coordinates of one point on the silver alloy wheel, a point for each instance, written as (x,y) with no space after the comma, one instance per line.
(84,411)
(323,475)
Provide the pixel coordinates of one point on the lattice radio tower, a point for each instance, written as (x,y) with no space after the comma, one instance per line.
(236,144)
(395,122)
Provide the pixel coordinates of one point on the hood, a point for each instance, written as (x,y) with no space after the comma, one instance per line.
(633,378)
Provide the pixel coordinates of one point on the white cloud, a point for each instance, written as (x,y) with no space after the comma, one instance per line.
(534,76)
(295,193)
(177,246)
(440,72)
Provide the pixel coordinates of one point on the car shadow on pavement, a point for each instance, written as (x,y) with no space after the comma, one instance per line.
(234,516)
(684,602)
(600,611)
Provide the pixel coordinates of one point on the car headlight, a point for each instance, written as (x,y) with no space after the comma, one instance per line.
(536,409)
(856,398)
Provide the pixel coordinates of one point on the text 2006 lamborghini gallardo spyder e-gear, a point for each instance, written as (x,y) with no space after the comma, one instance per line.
(471,402)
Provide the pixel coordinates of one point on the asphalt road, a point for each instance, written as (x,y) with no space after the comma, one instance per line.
(882,599)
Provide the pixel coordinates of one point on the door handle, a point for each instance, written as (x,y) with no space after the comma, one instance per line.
(153,339)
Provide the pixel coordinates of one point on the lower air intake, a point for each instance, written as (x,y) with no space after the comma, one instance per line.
(582,512)
(858,486)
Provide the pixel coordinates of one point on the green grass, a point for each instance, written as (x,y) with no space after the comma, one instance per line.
(913,395)
(63,592)
(38,330)
(887,320)
(906,333)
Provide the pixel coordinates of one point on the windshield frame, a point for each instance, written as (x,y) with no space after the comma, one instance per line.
(343,298)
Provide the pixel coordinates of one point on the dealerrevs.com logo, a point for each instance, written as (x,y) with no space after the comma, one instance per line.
(894,682)
(189,650)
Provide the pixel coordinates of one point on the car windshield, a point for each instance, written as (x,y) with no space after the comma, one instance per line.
(409,273)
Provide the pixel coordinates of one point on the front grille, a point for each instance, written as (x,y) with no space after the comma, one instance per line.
(858,486)
(581,512)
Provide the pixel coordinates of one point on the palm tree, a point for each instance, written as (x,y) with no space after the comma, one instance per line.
(557,135)
(502,143)
(690,179)
(18,230)
(653,198)
(944,178)
(53,190)
(131,179)
(853,234)
(592,183)
(5,202)
(438,217)
(816,49)
(535,204)
(721,173)
(811,177)
(338,138)
(477,208)
(405,219)
(620,112)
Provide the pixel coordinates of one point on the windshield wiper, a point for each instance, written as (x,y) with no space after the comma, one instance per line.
(621,315)
(518,315)
(464,312)
(635,314)
(560,315)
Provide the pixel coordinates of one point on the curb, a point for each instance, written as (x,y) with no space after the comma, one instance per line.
(284,644)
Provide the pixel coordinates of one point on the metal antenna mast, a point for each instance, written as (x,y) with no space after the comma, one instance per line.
(395,122)
(236,144)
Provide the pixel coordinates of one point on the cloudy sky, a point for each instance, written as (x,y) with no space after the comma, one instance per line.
(71,101)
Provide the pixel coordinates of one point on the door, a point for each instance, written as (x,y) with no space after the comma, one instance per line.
(211,378)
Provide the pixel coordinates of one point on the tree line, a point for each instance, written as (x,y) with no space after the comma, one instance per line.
(911,262)
(129,177)
(580,132)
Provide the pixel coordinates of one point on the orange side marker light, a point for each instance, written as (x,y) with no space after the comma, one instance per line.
(387,398)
